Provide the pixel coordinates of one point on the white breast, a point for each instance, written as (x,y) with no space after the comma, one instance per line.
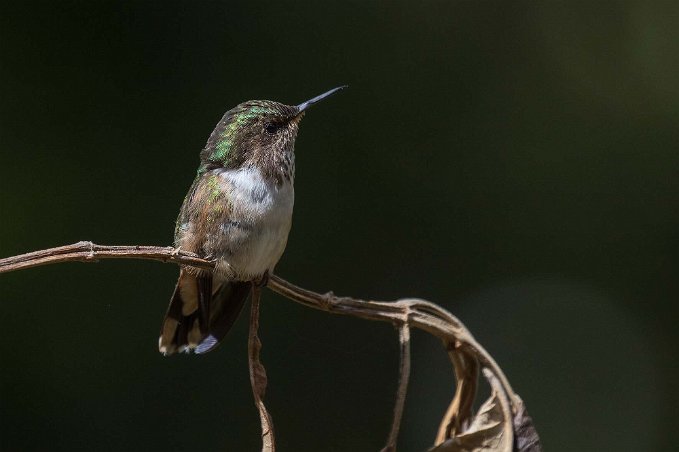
(263,212)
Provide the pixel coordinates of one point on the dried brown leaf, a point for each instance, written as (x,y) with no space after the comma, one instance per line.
(488,430)
(526,438)
(459,413)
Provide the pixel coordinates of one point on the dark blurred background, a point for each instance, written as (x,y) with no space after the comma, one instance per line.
(514,162)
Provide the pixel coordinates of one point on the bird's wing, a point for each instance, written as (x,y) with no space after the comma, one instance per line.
(201,311)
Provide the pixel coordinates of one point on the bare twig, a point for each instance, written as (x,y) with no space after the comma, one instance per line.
(90,252)
(466,354)
(258,378)
(404,376)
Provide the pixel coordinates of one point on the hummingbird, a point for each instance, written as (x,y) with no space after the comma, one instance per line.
(238,212)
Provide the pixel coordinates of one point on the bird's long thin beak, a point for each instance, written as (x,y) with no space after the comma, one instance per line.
(304,105)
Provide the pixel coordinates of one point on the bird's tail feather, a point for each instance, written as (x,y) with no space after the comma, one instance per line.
(200,315)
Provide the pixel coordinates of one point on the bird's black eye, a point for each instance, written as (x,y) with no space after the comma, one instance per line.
(271,127)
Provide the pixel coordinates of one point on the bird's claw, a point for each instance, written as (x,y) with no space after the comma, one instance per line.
(262,281)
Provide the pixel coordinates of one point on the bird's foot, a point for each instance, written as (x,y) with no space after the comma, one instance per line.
(262,280)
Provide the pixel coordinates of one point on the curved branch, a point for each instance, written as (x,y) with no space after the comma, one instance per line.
(460,428)
(423,314)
